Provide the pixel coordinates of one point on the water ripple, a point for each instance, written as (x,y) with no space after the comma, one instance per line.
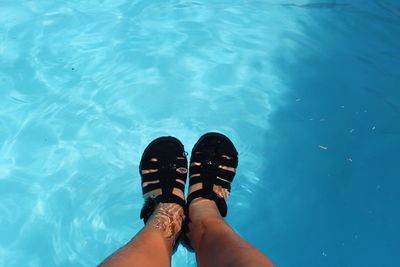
(87,85)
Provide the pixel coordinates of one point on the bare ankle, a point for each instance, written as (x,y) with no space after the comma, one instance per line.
(167,219)
(202,209)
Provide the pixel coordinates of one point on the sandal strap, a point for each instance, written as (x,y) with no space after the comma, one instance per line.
(223,174)
(231,162)
(214,162)
(155,176)
(148,164)
(199,179)
(150,177)
(210,175)
(223,184)
(166,185)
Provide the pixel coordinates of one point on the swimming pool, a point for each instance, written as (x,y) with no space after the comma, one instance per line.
(308,91)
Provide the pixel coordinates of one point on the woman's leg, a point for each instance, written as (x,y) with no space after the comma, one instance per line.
(163,169)
(215,243)
(153,245)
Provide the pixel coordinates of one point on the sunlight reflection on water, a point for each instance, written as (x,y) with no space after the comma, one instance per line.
(87,85)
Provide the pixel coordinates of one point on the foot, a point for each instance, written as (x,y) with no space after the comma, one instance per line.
(204,212)
(163,169)
(201,208)
(212,169)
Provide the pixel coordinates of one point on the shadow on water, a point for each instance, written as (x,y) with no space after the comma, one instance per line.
(331,190)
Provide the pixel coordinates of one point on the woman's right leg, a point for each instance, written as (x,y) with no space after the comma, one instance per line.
(215,242)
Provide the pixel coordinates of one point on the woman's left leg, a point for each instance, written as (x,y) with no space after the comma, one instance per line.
(153,245)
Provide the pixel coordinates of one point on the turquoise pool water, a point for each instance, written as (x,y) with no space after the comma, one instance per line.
(308,91)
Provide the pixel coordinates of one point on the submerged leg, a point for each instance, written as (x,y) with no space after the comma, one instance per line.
(216,243)
(163,169)
(153,245)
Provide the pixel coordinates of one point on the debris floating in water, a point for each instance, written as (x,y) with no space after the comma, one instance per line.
(349,159)
(323,147)
(298,99)
(373,128)
(352,130)
(324,254)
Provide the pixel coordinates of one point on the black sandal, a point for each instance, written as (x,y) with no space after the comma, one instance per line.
(166,161)
(210,154)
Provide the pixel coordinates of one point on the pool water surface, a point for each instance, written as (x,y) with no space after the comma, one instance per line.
(308,91)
